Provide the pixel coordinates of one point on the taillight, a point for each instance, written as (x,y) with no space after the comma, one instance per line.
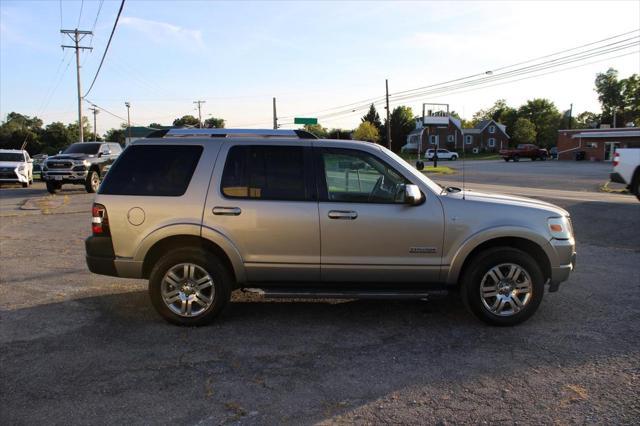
(616,156)
(99,220)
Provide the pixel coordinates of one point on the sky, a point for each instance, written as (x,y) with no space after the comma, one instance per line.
(311,56)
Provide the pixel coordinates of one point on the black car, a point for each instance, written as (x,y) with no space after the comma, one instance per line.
(83,163)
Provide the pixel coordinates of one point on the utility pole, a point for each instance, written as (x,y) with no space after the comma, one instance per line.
(386,82)
(95,126)
(275,115)
(200,111)
(128,105)
(76,36)
(570,114)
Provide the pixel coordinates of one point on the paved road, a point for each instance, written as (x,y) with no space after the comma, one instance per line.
(82,348)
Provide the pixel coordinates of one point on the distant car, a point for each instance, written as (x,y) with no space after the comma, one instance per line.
(16,167)
(38,162)
(626,169)
(443,154)
(410,148)
(82,163)
(524,150)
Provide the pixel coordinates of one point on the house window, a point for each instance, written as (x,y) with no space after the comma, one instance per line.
(492,129)
(468,139)
(433,139)
(591,145)
(492,142)
(450,138)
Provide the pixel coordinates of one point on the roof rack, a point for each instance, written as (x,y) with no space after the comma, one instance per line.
(231,133)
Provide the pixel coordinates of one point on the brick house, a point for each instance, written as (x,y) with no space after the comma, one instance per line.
(440,131)
(597,144)
(486,136)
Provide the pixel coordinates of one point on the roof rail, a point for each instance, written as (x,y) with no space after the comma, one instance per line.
(227,133)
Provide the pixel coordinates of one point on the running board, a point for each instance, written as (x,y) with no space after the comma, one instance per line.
(310,293)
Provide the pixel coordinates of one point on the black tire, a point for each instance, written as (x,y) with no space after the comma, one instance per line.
(481,265)
(420,165)
(516,158)
(635,184)
(53,187)
(92,183)
(453,158)
(221,277)
(506,159)
(25,184)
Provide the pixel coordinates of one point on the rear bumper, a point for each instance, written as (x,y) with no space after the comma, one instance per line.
(100,256)
(615,177)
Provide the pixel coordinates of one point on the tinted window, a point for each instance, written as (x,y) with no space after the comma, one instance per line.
(11,156)
(154,170)
(83,148)
(265,172)
(359,177)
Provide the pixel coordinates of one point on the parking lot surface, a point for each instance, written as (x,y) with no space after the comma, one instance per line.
(82,348)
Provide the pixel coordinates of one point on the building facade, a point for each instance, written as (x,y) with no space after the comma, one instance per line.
(486,136)
(596,144)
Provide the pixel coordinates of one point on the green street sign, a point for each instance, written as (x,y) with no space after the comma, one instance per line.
(305,120)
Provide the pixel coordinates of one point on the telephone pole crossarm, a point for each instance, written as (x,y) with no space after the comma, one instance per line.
(76,36)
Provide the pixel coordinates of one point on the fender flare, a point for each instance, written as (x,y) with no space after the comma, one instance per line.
(493,233)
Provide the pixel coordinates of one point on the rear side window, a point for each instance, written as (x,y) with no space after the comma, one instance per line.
(265,172)
(153,170)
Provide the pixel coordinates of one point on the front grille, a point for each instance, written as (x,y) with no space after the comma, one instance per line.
(59,164)
(8,174)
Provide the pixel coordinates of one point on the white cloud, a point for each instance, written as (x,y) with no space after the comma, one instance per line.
(162,32)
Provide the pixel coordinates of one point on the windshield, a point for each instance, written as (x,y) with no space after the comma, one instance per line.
(431,184)
(83,148)
(11,156)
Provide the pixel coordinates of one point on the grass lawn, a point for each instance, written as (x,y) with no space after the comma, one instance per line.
(442,170)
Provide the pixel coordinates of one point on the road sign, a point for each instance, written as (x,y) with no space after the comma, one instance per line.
(305,120)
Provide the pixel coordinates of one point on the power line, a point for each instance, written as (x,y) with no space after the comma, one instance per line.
(106,48)
(95,21)
(80,17)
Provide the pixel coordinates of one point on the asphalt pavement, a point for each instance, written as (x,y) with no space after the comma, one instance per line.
(82,348)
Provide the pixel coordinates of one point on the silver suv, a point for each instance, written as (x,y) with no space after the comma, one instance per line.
(201,213)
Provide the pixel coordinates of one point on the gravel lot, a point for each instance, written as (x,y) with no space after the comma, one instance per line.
(82,348)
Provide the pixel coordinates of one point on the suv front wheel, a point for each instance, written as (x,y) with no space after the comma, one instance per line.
(503,286)
(189,287)
(93,182)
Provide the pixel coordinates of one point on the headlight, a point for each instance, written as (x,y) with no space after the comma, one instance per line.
(21,167)
(560,228)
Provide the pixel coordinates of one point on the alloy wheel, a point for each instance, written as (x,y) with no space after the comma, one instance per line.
(506,289)
(187,289)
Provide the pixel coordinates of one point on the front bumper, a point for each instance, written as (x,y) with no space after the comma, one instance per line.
(65,176)
(565,261)
(13,176)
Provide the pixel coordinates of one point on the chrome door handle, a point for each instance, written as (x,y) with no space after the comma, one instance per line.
(343,214)
(227,211)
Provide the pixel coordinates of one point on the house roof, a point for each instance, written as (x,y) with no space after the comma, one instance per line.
(609,134)
(484,123)
(441,120)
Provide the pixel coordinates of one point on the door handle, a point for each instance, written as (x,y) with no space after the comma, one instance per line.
(227,211)
(343,214)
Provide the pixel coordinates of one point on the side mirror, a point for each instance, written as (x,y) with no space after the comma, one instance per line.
(412,195)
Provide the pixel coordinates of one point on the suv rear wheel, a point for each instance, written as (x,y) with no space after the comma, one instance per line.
(189,287)
(503,286)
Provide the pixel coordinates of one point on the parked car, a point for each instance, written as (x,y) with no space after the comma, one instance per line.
(443,154)
(38,162)
(525,150)
(83,163)
(16,167)
(626,169)
(286,215)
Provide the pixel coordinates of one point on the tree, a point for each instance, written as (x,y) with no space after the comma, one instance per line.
(116,135)
(186,121)
(609,90)
(56,137)
(402,123)
(317,130)
(372,117)
(546,119)
(86,130)
(367,131)
(339,134)
(156,126)
(524,131)
(499,112)
(631,99)
(587,120)
(214,123)
(18,129)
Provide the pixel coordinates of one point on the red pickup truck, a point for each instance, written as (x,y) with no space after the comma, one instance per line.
(525,150)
